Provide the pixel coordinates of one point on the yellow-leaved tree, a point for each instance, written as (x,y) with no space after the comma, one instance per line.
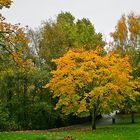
(5,3)
(126,41)
(87,83)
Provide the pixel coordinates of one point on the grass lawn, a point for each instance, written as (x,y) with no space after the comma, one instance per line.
(120,131)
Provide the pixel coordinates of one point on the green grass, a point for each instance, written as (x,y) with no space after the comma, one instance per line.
(114,132)
(120,131)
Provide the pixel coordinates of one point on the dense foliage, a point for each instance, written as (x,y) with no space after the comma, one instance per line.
(81,68)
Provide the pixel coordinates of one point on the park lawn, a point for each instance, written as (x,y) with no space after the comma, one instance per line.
(119,131)
(113,132)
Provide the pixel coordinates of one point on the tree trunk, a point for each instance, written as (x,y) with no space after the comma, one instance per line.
(132,117)
(113,120)
(94,119)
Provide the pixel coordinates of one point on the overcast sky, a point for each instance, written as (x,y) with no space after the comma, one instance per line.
(104,14)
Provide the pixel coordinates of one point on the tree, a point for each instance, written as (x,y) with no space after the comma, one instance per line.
(5,3)
(57,37)
(86,83)
(16,69)
(126,37)
(86,36)
(126,41)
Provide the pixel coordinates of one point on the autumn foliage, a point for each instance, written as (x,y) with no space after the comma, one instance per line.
(5,3)
(85,80)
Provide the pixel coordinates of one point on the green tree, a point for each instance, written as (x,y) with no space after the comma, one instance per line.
(57,37)
(86,36)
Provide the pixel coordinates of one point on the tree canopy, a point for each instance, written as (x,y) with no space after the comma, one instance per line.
(57,37)
(5,3)
(85,81)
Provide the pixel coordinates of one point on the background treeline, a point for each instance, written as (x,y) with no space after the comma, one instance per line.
(25,65)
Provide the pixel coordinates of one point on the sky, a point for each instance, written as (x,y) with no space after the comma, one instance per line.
(104,14)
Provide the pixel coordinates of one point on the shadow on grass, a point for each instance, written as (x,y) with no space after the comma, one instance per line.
(50,138)
(67,137)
